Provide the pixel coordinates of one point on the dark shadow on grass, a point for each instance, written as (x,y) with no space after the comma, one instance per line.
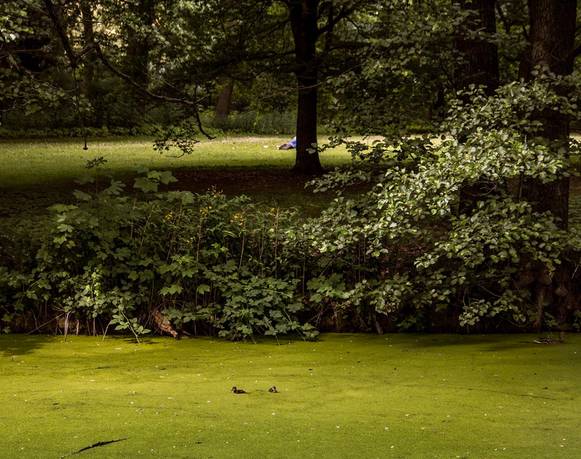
(17,344)
(444,340)
(488,343)
(142,340)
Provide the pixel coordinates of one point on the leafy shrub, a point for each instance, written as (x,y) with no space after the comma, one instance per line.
(413,249)
(205,259)
(410,251)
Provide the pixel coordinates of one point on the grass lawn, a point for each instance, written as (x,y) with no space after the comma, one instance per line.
(35,174)
(33,163)
(345,396)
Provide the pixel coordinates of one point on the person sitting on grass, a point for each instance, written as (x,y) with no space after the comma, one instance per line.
(290,145)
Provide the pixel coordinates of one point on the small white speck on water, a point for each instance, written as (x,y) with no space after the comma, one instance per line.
(338,427)
(386,428)
(485,414)
(209,401)
(392,446)
(562,446)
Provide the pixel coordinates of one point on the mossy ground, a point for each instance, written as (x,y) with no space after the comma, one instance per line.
(345,396)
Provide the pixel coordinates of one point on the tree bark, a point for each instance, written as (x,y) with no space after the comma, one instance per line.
(552,41)
(224,101)
(138,44)
(88,63)
(303,18)
(552,36)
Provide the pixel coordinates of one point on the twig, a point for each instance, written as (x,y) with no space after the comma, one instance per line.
(46,323)
(94,445)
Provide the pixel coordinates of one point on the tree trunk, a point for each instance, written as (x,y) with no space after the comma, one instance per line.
(224,101)
(138,44)
(303,17)
(552,36)
(480,56)
(89,63)
(552,42)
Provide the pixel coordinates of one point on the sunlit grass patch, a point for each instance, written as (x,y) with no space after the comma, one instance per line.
(35,163)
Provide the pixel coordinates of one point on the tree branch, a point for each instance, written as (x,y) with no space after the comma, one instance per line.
(192,104)
(55,18)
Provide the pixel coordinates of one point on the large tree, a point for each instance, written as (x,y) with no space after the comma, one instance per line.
(304,18)
(552,49)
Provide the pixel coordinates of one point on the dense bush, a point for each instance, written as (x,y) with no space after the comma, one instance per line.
(254,122)
(413,251)
(203,260)
(467,259)
(246,122)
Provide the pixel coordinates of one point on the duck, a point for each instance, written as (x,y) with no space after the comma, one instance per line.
(235,390)
(273,390)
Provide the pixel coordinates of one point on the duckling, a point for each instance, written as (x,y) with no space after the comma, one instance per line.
(273,390)
(235,390)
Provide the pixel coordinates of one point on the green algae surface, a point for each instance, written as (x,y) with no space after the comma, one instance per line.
(345,396)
